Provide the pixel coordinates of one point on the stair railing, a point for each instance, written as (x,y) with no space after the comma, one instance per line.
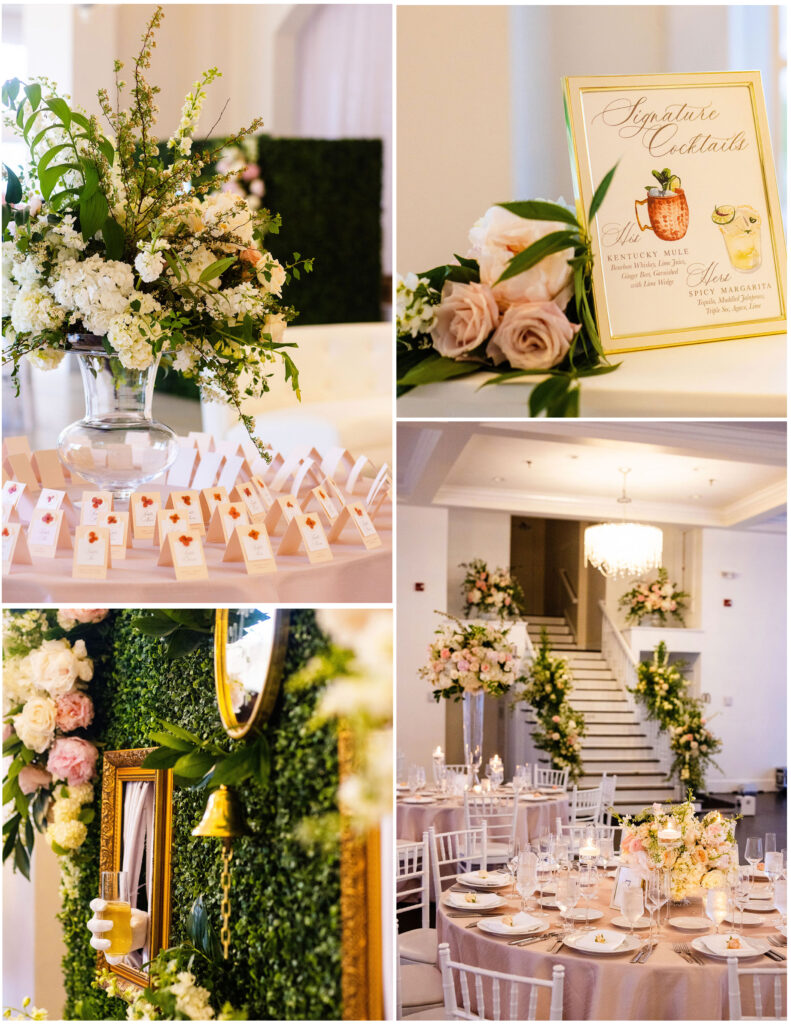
(624,667)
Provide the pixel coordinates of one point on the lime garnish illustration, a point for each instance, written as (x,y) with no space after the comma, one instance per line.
(723,214)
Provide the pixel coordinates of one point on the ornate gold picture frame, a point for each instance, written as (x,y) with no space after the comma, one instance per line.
(688,244)
(120,767)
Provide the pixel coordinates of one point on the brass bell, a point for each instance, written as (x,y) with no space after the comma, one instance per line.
(223,817)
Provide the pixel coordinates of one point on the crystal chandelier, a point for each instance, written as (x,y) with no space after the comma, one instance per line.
(623,549)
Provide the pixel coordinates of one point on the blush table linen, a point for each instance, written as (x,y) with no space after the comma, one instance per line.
(534,819)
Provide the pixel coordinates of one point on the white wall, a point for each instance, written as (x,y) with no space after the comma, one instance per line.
(422,558)
(475,533)
(744,657)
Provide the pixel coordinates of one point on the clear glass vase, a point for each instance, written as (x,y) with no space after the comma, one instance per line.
(117,445)
(472,707)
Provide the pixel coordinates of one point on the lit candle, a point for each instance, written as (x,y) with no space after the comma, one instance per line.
(668,835)
(589,850)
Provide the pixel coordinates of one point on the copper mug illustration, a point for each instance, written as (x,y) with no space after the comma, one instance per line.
(668,215)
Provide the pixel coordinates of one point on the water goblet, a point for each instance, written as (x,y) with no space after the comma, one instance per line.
(716,907)
(753,852)
(773,864)
(421,777)
(513,863)
(655,896)
(589,885)
(770,842)
(526,876)
(413,781)
(567,897)
(632,905)
(543,875)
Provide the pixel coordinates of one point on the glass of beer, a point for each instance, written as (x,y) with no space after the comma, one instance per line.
(115,891)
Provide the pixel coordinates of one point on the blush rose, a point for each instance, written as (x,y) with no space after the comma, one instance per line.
(73,711)
(32,778)
(73,760)
(466,316)
(532,336)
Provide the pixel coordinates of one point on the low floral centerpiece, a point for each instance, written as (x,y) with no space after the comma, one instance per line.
(699,852)
(660,599)
(518,304)
(490,592)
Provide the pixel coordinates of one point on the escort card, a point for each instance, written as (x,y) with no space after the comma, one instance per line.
(20,468)
(335,460)
(356,473)
(47,467)
(272,468)
(15,550)
(263,491)
(307,474)
(284,509)
(169,519)
(336,489)
(379,500)
(94,502)
(248,493)
(120,534)
(364,528)
(206,473)
(144,506)
(92,556)
(227,515)
(321,498)
(287,467)
(180,473)
(250,544)
(183,550)
(189,502)
(211,497)
(306,530)
(381,479)
(204,441)
(17,503)
(52,499)
(48,533)
(230,471)
(17,445)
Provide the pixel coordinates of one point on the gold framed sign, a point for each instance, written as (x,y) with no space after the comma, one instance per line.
(688,244)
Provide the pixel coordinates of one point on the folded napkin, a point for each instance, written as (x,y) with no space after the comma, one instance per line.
(523,920)
(728,945)
(602,940)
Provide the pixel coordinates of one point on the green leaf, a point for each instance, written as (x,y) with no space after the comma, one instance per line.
(235,768)
(49,156)
(264,761)
(33,93)
(11,824)
(597,371)
(538,209)
(555,241)
(105,147)
(547,392)
(93,214)
(601,192)
(39,806)
(60,850)
(13,191)
(15,768)
(162,757)
(11,744)
(182,641)
(177,730)
(11,90)
(42,133)
(217,268)
(500,378)
(165,739)
(49,178)
(194,764)
(90,176)
(30,836)
(87,814)
(81,120)
(61,110)
(22,859)
(9,842)
(10,789)
(437,368)
(56,201)
(156,624)
(114,239)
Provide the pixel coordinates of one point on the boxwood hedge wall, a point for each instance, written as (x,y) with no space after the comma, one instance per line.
(285,929)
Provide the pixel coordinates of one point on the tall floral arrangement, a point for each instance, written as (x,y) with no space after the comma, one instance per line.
(103,235)
(702,857)
(490,591)
(48,712)
(659,598)
(466,657)
(660,686)
(559,729)
(518,304)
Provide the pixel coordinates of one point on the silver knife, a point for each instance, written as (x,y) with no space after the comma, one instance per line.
(532,938)
(636,958)
(644,956)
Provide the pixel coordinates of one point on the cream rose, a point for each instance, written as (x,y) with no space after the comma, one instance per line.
(35,724)
(56,666)
(498,236)
(532,336)
(466,316)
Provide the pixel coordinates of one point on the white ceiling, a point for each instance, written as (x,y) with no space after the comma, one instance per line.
(693,473)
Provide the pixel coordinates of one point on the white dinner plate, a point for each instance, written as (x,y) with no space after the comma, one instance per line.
(417,799)
(483,901)
(760,906)
(583,915)
(756,947)
(620,922)
(690,923)
(745,918)
(491,880)
(783,929)
(629,945)
(554,790)
(495,926)
(531,799)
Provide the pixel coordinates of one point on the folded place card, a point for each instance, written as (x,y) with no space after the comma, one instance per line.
(52,499)
(384,494)
(380,480)
(337,490)
(120,534)
(144,506)
(47,467)
(210,497)
(288,467)
(284,509)
(306,530)
(248,494)
(92,503)
(337,461)
(183,550)
(365,531)
(92,557)
(250,544)
(169,519)
(228,448)
(307,475)
(15,550)
(356,473)
(229,473)
(17,503)
(48,533)
(263,491)
(204,441)
(180,473)
(320,498)
(17,445)
(189,502)
(227,515)
(20,468)
(207,471)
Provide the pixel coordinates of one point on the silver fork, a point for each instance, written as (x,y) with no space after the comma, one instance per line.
(777,940)
(694,956)
(679,948)
(636,958)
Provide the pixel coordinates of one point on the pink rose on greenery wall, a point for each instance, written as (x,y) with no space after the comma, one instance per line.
(73,760)
(73,711)
(32,778)
(69,617)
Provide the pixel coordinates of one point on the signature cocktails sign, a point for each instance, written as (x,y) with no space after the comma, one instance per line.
(688,243)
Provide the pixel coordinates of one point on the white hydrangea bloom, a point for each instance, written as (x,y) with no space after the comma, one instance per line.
(64,235)
(186,359)
(132,336)
(35,310)
(98,290)
(46,358)
(149,262)
(231,304)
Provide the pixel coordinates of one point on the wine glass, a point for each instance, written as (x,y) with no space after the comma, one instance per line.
(742,884)
(753,852)
(567,896)
(773,864)
(632,905)
(589,884)
(513,863)
(770,842)
(543,873)
(655,896)
(716,907)
(780,898)
(562,853)
(421,777)
(526,879)
(413,781)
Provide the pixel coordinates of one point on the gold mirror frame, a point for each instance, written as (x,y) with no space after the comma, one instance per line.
(265,702)
(122,766)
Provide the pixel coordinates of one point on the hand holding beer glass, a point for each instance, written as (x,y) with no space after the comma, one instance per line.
(115,928)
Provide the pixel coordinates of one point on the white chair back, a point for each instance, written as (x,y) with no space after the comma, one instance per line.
(608,787)
(760,992)
(550,777)
(454,852)
(499,813)
(585,804)
(413,865)
(498,999)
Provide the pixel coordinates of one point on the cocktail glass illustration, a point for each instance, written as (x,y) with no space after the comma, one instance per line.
(741,231)
(668,213)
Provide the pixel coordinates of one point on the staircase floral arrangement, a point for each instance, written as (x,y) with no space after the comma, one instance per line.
(519,304)
(660,599)
(559,728)
(470,658)
(47,718)
(661,688)
(105,237)
(702,857)
(490,591)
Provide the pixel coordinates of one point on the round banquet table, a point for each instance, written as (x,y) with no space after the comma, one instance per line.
(610,987)
(534,818)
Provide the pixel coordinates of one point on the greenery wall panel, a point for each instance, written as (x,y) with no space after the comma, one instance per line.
(285,898)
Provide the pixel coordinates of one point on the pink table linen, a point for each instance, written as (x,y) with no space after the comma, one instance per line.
(534,819)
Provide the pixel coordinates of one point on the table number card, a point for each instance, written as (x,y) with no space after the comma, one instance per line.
(206,473)
(306,530)
(92,557)
(250,544)
(320,497)
(48,469)
(144,506)
(48,533)
(120,534)
(189,502)
(263,491)
(180,473)
(284,509)
(183,550)
(169,519)
(94,502)
(365,529)
(248,493)
(15,550)
(688,243)
(227,515)
(210,497)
